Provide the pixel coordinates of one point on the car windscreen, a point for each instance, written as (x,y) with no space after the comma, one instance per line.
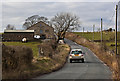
(76,52)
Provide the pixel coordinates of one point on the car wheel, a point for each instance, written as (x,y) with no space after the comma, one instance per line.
(82,60)
(70,61)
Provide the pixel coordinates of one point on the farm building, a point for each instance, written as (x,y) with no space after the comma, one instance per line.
(43,30)
(18,35)
(39,30)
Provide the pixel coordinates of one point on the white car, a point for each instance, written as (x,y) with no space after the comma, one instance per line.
(61,41)
(76,54)
(37,36)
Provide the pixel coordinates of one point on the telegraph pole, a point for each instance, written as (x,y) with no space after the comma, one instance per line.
(101,32)
(83,29)
(116,31)
(93,32)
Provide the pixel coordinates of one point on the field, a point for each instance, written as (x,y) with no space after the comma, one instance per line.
(33,45)
(108,38)
(97,35)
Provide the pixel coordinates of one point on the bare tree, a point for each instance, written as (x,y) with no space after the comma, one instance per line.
(42,18)
(64,22)
(10,27)
(45,20)
(33,20)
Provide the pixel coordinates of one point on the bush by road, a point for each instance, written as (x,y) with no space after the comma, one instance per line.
(20,63)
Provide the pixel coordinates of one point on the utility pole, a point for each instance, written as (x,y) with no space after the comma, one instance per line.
(116,31)
(101,32)
(83,29)
(93,32)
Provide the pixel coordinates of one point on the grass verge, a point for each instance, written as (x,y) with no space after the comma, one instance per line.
(46,65)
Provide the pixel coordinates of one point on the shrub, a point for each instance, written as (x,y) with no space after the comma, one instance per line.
(15,57)
(46,50)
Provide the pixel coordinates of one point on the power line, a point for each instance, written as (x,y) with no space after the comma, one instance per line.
(111,19)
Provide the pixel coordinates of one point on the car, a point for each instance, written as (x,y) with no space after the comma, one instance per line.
(36,36)
(61,41)
(76,54)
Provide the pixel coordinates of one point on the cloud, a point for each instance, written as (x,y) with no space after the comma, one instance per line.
(89,12)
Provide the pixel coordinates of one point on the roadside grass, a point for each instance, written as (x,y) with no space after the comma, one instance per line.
(45,65)
(33,45)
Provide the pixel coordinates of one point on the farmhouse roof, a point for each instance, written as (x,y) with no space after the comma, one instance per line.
(19,31)
(38,23)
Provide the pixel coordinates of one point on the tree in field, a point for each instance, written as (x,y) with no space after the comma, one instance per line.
(64,22)
(33,20)
(10,27)
(110,29)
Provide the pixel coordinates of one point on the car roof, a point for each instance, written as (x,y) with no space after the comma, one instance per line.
(76,49)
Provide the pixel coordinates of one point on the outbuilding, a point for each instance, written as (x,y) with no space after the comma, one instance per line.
(18,35)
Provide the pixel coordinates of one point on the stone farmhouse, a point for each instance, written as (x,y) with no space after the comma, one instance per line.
(43,30)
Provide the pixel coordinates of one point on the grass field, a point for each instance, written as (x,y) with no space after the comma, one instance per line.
(97,35)
(110,36)
(33,45)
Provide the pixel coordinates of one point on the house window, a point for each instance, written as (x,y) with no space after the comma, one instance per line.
(41,31)
(40,25)
(46,30)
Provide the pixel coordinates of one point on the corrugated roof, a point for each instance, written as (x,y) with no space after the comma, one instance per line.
(18,30)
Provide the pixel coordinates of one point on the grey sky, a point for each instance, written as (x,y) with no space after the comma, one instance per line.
(90,13)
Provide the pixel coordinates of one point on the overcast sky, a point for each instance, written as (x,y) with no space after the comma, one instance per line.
(89,13)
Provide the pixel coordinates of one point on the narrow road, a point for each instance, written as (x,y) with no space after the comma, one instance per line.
(93,68)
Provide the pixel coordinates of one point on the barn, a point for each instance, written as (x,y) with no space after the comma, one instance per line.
(18,35)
